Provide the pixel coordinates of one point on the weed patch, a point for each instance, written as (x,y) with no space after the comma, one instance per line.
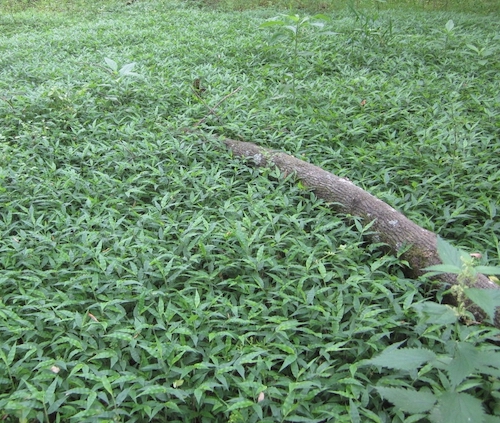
(146,274)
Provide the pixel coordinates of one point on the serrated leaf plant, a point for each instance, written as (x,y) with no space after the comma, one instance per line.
(293,25)
(436,385)
(465,266)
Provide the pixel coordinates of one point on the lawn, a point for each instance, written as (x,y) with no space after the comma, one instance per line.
(147,274)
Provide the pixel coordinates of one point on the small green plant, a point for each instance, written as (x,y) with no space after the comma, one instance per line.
(449,33)
(293,25)
(126,71)
(465,267)
(121,87)
(372,27)
(434,386)
(481,53)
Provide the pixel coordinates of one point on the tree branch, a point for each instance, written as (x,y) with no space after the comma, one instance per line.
(389,226)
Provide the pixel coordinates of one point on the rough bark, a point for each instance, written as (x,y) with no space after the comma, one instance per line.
(390,226)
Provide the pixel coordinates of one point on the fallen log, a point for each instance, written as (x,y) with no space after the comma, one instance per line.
(389,226)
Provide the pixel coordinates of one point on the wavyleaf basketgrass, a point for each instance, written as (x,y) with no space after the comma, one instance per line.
(148,275)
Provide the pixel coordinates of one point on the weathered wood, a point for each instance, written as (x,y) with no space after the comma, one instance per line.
(389,225)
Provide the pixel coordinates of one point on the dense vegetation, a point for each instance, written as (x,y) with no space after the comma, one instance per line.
(148,275)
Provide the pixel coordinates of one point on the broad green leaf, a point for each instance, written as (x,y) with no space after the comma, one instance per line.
(10,356)
(444,268)
(337,346)
(165,200)
(260,253)
(173,406)
(403,358)
(91,398)
(4,357)
(289,404)
(272,23)
(322,17)
(457,407)
(127,69)
(353,412)
(240,403)
(448,253)
(50,392)
(318,24)
(463,363)
(79,391)
(450,25)
(304,385)
(121,335)
(488,270)
(310,296)
(104,354)
(487,299)
(287,325)
(440,314)
(408,400)
(111,64)
(107,385)
(153,390)
(322,269)
(198,394)
(489,362)
(287,348)
(197,299)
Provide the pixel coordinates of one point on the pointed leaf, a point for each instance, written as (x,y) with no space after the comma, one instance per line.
(240,403)
(450,25)
(198,393)
(434,313)
(127,69)
(487,299)
(107,385)
(111,64)
(489,359)
(457,407)
(50,392)
(444,268)
(408,400)
(289,360)
(197,299)
(322,17)
(271,23)
(403,359)
(488,270)
(463,363)
(318,24)
(353,412)
(310,296)
(11,355)
(448,253)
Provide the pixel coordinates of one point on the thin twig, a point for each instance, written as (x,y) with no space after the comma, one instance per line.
(213,109)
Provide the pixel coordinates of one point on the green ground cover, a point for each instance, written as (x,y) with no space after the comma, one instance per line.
(148,275)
